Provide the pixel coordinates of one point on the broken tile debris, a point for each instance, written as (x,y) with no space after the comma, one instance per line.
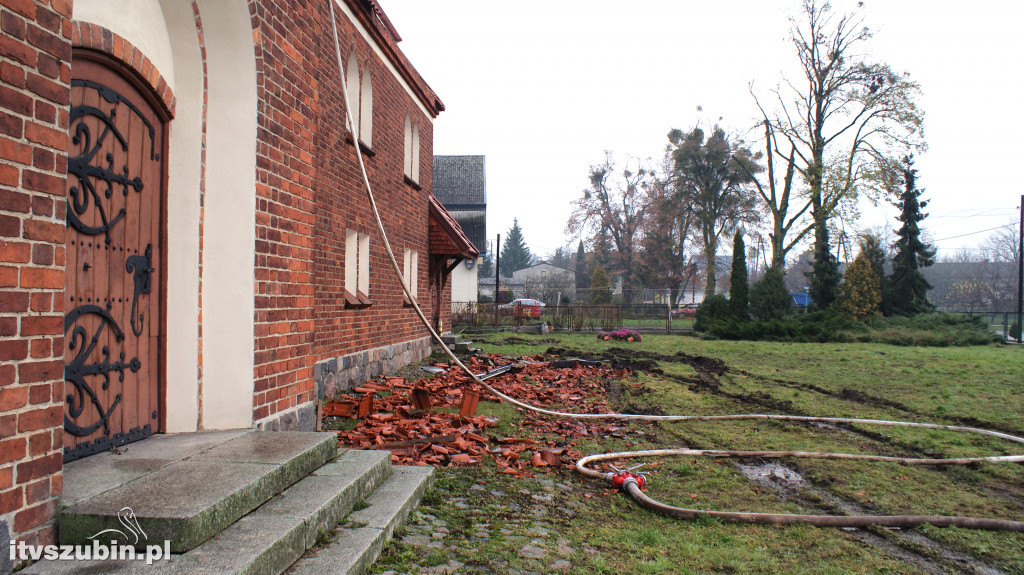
(433,421)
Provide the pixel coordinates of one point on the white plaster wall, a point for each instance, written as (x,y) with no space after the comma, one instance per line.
(183,181)
(464,284)
(229,237)
(139,21)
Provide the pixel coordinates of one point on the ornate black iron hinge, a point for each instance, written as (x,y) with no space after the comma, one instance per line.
(142,268)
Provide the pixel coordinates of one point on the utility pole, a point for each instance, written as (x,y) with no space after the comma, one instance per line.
(497,277)
(1020,272)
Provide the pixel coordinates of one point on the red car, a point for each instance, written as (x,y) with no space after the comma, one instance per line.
(687,310)
(524,307)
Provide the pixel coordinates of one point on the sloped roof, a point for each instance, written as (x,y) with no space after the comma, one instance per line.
(373,18)
(446,236)
(459,181)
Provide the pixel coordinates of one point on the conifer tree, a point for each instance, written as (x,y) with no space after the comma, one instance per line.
(600,287)
(738,287)
(824,276)
(861,292)
(582,277)
(514,253)
(769,298)
(908,290)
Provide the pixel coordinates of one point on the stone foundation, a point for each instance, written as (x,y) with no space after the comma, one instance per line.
(300,418)
(340,374)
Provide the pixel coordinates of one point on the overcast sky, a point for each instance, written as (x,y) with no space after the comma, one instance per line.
(543,89)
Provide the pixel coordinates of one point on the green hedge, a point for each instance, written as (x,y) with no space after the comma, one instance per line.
(933,329)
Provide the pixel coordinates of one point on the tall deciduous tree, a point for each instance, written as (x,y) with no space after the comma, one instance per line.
(711,178)
(665,243)
(908,288)
(610,212)
(738,286)
(780,200)
(842,122)
(515,255)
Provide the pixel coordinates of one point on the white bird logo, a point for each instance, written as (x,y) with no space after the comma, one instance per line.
(127,518)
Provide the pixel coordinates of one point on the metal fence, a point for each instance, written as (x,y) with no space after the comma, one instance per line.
(1000,322)
(572,317)
(639,317)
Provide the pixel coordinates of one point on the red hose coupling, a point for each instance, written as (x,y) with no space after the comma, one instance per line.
(620,480)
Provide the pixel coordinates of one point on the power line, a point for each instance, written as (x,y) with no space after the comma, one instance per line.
(969,216)
(1010,225)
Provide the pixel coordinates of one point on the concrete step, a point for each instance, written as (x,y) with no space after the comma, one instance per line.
(190,500)
(268,540)
(271,538)
(355,546)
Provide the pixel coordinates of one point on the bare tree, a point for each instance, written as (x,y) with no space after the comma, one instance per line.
(845,122)
(779,198)
(610,213)
(1000,250)
(666,243)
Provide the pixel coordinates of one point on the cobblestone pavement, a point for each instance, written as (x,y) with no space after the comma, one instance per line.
(521,528)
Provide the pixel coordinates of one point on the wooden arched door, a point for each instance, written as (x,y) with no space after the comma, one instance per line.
(113,296)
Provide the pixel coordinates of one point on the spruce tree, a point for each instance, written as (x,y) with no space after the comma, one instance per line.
(907,288)
(514,253)
(582,277)
(600,287)
(738,286)
(487,266)
(824,277)
(769,298)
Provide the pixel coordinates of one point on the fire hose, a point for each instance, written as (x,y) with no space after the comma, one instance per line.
(632,484)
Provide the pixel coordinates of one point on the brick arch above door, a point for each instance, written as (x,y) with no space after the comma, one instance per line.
(94,37)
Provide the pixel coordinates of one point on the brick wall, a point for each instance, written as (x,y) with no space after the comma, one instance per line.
(310,192)
(35,51)
(286,70)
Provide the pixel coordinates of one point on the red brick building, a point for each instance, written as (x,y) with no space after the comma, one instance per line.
(185,242)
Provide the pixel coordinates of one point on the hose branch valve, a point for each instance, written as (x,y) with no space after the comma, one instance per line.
(621,477)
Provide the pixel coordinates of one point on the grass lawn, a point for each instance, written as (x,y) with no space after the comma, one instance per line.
(975,386)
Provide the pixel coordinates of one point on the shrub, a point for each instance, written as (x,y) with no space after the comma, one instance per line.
(860,293)
(820,326)
(710,310)
(769,298)
(933,329)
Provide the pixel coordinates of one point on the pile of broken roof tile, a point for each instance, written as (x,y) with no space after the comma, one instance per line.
(433,421)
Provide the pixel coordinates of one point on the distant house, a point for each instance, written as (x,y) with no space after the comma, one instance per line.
(460,184)
(545,282)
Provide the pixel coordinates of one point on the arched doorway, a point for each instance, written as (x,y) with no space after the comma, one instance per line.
(115,267)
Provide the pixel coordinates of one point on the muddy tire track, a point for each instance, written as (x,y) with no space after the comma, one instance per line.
(789,482)
(859,397)
(926,554)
